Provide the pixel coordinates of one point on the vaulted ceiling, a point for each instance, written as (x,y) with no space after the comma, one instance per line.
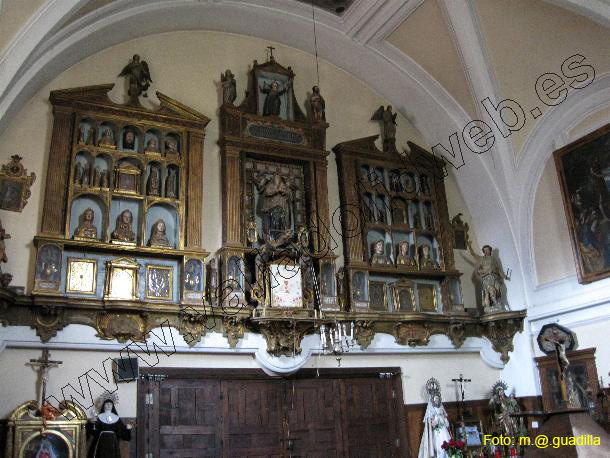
(434,60)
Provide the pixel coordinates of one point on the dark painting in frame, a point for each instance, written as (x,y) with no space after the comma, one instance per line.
(583,168)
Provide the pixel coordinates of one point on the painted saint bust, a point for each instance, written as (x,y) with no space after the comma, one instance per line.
(158,236)
(426,261)
(404,258)
(151,146)
(86,229)
(123,231)
(107,139)
(379,256)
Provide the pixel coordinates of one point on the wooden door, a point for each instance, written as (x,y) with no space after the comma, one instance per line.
(223,413)
(253,419)
(313,412)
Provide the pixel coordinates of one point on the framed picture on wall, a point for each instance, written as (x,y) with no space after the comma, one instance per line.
(583,168)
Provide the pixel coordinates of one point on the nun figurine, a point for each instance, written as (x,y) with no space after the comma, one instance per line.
(107,430)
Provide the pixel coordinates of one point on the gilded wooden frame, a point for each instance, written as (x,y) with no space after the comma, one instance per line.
(15,185)
(399,287)
(114,280)
(170,288)
(71,286)
(427,300)
(586,201)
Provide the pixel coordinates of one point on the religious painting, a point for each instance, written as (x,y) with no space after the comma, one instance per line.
(460,233)
(377,296)
(48,268)
(159,282)
(427,297)
(51,446)
(81,276)
(122,279)
(127,179)
(471,433)
(403,296)
(274,95)
(286,285)
(15,185)
(583,168)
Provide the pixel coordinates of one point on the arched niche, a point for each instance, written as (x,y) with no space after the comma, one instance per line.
(57,444)
(83,202)
(171,183)
(102,171)
(119,205)
(403,236)
(172,144)
(193,275)
(400,214)
(415,217)
(423,240)
(427,216)
(328,280)
(131,139)
(373,236)
(83,164)
(86,134)
(48,263)
(153,179)
(409,182)
(169,215)
(152,141)
(107,135)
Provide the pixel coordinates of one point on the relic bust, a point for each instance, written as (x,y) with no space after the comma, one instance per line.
(107,138)
(123,231)
(86,229)
(158,237)
(171,145)
(404,258)
(151,146)
(426,261)
(379,256)
(129,140)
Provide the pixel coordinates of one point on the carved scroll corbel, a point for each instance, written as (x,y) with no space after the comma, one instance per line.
(412,334)
(284,337)
(122,327)
(234,329)
(364,333)
(501,334)
(47,321)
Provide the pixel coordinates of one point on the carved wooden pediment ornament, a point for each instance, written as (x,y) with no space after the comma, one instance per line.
(15,185)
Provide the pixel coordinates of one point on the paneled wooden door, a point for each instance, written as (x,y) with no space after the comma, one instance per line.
(229,413)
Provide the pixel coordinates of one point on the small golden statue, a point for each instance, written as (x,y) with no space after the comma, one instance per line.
(123,232)
(404,258)
(86,229)
(158,237)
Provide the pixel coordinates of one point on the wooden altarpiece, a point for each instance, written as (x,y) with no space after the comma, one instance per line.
(275,208)
(120,248)
(398,245)
(64,435)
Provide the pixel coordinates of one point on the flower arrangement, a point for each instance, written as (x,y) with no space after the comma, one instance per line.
(453,447)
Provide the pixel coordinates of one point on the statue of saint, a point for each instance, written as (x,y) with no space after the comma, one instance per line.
(96,177)
(388,123)
(273,101)
(436,425)
(491,276)
(171,145)
(139,79)
(395,183)
(379,256)
(170,184)
(107,138)
(107,430)
(426,261)
(153,182)
(85,228)
(158,237)
(86,174)
(318,105)
(275,208)
(229,87)
(428,218)
(151,146)
(340,278)
(123,231)
(78,173)
(103,179)
(404,257)
(501,407)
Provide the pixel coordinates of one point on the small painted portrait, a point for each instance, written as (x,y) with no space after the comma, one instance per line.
(129,139)
(11,192)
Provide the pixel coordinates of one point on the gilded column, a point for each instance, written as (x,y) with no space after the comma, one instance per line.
(231,202)
(194,190)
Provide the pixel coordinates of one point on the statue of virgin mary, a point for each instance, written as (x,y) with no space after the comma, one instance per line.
(436,424)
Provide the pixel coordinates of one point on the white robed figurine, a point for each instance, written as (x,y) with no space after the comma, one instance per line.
(436,424)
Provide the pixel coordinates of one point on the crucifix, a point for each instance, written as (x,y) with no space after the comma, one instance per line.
(462,381)
(42,366)
(270,48)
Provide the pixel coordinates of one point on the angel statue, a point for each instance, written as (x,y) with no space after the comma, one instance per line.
(388,123)
(229,87)
(436,424)
(139,79)
(490,274)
